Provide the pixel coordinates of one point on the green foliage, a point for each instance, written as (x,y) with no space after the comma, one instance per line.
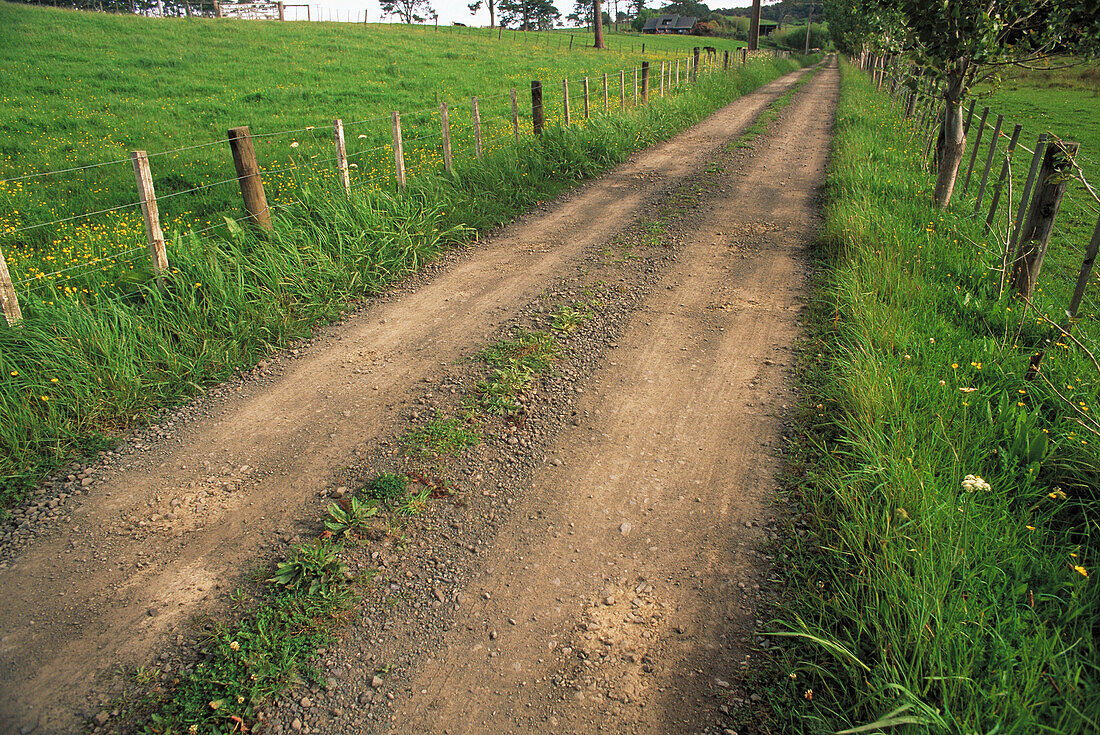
(245,663)
(387,487)
(346,519)
(567,318)
(314,568)
(440,436)
(513,365)
(916,599)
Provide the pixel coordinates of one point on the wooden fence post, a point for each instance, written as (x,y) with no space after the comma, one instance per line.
(635,98)
(677,72)
(398,149)
(515,113)
(661,81)
(586,110)
(1078,291)
(565,99)
(1025,199)
(622,89)
(695,64)
(154,236)
(725,60)
(445,125)
(8,300)
(910,105)
(248,175)
(536,106)
(974,150)
(477,127)
(1053,178)
(969,117)
(1005,169)
(645,82)
(989,162)
(606,107)
(341,154)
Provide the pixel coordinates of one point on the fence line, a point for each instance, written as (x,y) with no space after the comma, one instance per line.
(250,174)
(1028,233)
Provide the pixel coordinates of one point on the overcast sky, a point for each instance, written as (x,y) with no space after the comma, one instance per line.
(449,10)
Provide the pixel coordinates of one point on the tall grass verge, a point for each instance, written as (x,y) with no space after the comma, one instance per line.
(951,503)
(81,369)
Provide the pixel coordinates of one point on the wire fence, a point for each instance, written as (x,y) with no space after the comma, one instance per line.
(86,251)
(999,180)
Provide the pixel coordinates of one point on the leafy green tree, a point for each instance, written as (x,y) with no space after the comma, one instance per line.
(528,15)
(957,42)
(410,11)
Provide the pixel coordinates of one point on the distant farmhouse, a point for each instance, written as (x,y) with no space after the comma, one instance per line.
(681,24)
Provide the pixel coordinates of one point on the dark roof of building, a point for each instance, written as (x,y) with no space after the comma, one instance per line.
(673,22)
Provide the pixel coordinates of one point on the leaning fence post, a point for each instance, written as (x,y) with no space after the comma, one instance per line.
(8,300)
(969,117)
(565,99)
(586,111)
(154,236)
(989,162)
(515,113)
(398,149)
(1005,169)
(477,127)
(536,106)
(1013,235)
(909,107)
(341,154)
(974,151)
(1033,241)
(1082,277)
(248,175)
(445,125)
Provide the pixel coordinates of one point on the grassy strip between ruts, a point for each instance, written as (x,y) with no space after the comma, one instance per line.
(266,647)
(943,585)
(761,123)
(77,372)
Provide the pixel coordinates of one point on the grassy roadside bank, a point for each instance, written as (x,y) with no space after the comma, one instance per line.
(950,505)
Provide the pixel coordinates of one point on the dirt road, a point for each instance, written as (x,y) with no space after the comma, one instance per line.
(618,608)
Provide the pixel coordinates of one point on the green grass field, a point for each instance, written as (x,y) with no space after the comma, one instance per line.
(946,582)
(112,84)
(101,346)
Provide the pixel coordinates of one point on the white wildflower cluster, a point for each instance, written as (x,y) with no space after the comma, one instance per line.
(974,483)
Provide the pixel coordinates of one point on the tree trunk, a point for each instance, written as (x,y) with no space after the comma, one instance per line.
(492,14)
(754,26)
(950,153)
(597,24)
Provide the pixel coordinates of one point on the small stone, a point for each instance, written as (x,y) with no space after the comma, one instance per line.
(556,462)
(102,718)
(295,724)
(722,683)
(624,528)
(756,697)
(306,702)
(376,681)
(609,600)
(492,635)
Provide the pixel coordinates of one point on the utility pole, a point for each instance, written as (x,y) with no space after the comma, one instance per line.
(808,19)
(754,26)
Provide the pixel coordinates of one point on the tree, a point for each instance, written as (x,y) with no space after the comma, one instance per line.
(492,5)
(409,10)
(960,42)
(597,16)
(528,15)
